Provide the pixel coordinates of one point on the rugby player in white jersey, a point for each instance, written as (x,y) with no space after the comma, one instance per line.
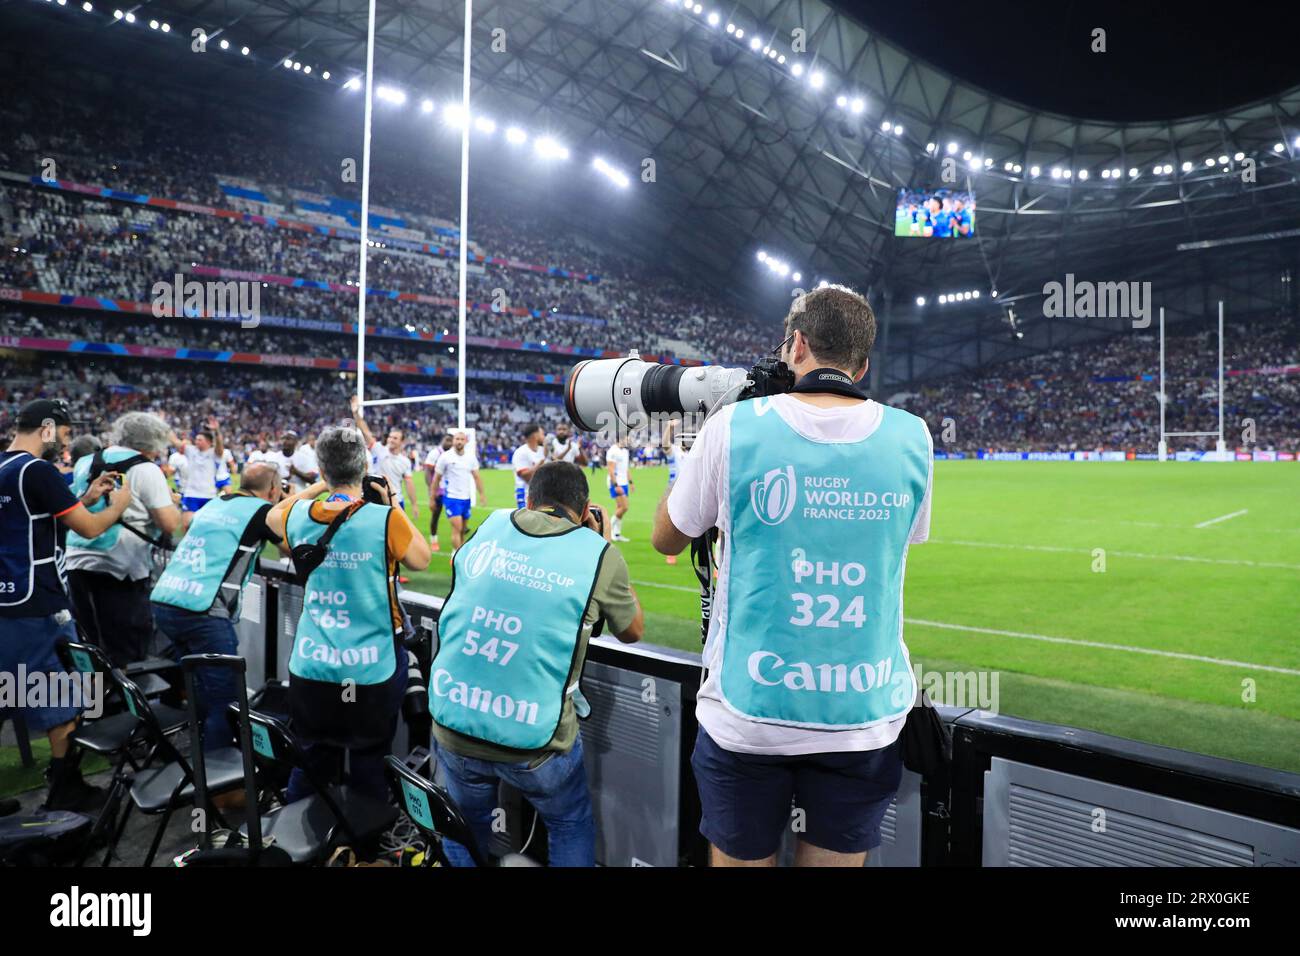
(525,461)
(458,469)
(618,461)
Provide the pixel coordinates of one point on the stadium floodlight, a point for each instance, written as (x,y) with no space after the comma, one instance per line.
(353,84)
(975,162)
(426,106)
(841,101)
(886,126)
(1296,144)
(988,161)
(762,256)
(117,14)
(1239,156)
(714,19)
(920,300)
(781,59)
(485,125)
(1187,166)
(796,70)
(731,28)
(1133,173)
(755,43)
(1115,173)
(166,27)
(966,155)
(898,129)
(994,293)
(952,148)
(88,6)
(1056,172)
(225,44)
(858,105)
(930,147)
(797,277)
(1083,174)
(515,136)
(943,300)
(288,64)
(767,50)
(772,52)
(1209,160)
(1015,168)
(390,94)
(153,24)
(1278,147)
(323,76)
(699,8)
(1105,174)
(615,176)
(1223,160)
(453,115)
(548,148)
(130,17)
(740,34)
(1006,167)
(1067,173)
(1034,170)
(298,67)
(817,80)
(306,69)
(975,294)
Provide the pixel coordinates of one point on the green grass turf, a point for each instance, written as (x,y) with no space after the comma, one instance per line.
(1012,549)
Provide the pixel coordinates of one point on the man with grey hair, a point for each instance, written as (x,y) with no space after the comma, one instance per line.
(348,665)
(109,575)
(817,494)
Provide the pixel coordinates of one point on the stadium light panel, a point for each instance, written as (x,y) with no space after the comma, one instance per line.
(1105,174)
(975,162)
(817,80)
(930,147)
(88,6)
(117,14)
(699,8)
(166,27)
(714,19)
(453,115)
(1296,144)
(1083,174)
(975,294)
(426,106)
(323,76)
(762,256)
(767,50)
(1034,170)
(988,161)
(731,28)
(288,64)
(548,148)
(1209,160)
(225,44)
(920,300)
(1133,173)
(1006,167)
(858,105)
(390,94)
(740,34)
(841,101)
(796,70)
(515,136)
(1067,173)
(886,126)
(298,68)
(781,59)
(1223,160)
(1056,172)
(306,69)
(1278,147)
(994,293)
(353,84)
(797,277)
(771,53)
(1239,157)
(1015,168)
(130,17)
(943,300)
(755,43)
(1187,167)
(153,24)
(485,125)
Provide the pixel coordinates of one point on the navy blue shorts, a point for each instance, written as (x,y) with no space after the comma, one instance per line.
(748,799)
(32,642)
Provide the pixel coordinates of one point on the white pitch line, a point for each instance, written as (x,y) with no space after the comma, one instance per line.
(1046,638)
(1110,647)
(1122,554)
(1235,514)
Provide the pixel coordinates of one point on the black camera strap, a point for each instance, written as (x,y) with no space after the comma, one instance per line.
(829,380)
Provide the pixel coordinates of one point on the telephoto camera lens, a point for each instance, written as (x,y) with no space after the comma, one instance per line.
(603,393)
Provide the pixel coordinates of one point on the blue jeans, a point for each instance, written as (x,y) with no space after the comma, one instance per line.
(557,789)
(31,642)
(216,687)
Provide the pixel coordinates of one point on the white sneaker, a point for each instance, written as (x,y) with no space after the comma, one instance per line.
(619,537)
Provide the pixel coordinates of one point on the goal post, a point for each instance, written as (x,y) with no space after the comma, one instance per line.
(1220,448)
(459,395)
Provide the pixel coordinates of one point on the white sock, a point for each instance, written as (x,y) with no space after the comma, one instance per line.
(618,527)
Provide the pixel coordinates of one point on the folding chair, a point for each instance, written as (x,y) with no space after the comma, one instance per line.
(437,817)
(309,829)
(161,790)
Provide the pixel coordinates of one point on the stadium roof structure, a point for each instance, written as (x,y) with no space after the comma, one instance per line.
(799,147)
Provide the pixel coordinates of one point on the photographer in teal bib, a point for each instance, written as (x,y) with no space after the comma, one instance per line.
(817,494)
(527,591)
(345,682)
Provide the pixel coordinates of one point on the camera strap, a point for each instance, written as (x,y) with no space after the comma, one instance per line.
(829,380)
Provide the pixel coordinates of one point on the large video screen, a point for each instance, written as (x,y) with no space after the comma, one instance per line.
(935,213)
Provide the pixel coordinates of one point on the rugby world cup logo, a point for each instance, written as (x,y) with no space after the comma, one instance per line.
(479,558)
(773,496)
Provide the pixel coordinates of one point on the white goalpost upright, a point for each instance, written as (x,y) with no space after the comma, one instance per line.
(1220,448)
(459,394)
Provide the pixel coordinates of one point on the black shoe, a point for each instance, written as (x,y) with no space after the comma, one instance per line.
(71,792)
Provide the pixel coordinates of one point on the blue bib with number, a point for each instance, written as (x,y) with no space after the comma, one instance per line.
(819,531)
(211,550)
(509,631)
(81,484)
(346,629)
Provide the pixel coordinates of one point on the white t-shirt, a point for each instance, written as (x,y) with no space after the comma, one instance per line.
(699,500)
(432,459)
(226,466)
(281,462)
(255,455)
(392,466)
(128,559)
(564,450)
(457,471)
(200,476)
(176,461)
(619,457)
(525,457)
(304,459)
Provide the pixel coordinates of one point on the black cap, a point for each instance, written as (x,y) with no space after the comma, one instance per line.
(34,414)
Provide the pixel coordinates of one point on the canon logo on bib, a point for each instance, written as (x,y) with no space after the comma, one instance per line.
(480,558)
(773,496)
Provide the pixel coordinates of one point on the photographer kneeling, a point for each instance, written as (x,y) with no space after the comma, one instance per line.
(528,589)
(818,494)
(347,671)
